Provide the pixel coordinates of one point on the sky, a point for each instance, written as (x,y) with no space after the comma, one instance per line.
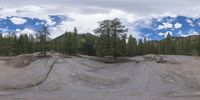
(153,19)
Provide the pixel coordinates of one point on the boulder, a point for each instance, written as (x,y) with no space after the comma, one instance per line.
(108,59)
(151,57)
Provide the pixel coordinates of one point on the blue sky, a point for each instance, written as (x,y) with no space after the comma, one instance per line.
(9,25)
(176,26)
(156,29)
(152,19)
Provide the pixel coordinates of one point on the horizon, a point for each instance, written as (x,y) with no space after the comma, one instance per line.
(153,21)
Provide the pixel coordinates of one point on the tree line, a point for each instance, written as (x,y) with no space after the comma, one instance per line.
(110,39)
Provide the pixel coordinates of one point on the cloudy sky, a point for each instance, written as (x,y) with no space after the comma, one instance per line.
(144,18)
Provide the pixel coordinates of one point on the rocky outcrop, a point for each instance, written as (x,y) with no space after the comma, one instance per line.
(33,74)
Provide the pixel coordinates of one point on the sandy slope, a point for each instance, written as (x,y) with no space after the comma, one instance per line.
(178,78)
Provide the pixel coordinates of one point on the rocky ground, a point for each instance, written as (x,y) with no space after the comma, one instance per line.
(149,77)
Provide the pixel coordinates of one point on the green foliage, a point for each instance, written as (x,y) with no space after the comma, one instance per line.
(12,45)
(87,44)
(71,44)
(111,41)
(131,46)
(194,53)
(43,35)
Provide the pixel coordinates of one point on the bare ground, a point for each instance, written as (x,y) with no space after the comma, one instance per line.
(149,77)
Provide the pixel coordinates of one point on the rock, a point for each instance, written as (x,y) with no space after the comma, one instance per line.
(168,60)
(29,76)
(162,60)
(151,57)
(23,60)
(108,59)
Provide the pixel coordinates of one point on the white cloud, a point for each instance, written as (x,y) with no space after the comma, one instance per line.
(177,25)
(88,22)
(190,22)
(24,31)
(139,7)
(190,33)
(165,34)
(27,31)
(165,26)
(18,30)
(84,21)
(41,23)
(18,21)
(86,13)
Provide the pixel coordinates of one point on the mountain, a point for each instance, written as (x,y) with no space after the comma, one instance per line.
(81,36)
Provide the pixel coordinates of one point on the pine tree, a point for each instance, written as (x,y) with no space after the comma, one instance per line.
(43,35)
(123,47)
(87,44)
(140,48)
(131,46)
(31,44)
(168,48)
(1,44)
(111,32)
(117,30)
(103,45)
(75,44)
(198,49)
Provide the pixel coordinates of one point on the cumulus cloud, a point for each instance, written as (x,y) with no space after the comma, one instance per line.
(198,23)
(139,7)
(18,21)
(166,25)
(177,25)
(190,22)
(24,31)
(88,22)
(165,34)
(86,13)
(27,31)
(190,34)
(18,30)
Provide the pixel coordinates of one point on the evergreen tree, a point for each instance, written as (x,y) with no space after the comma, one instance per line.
(75,44)
(68,43)
(103,45)
(43,35)
(131,46)
(198,49)
(168,48)
(71,44)
(110,32)
(140,48)
(117,30)
(1,44)
(123,47)
(87,44)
